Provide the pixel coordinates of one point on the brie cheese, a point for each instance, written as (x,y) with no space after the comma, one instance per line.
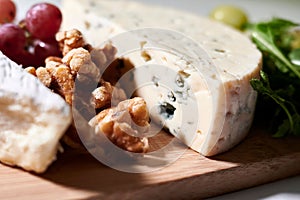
(32,119)
(219,127)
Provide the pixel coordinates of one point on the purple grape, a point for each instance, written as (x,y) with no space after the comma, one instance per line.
(43,20)
(44,49)
(13,39)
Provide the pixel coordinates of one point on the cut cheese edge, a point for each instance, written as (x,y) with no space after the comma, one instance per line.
(219,128)
(33,119)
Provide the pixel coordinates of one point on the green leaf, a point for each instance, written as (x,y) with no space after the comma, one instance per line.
(280,25)
(283,129)
(263,86)
(265,79)
(281,83)
(281,66)
(264,34)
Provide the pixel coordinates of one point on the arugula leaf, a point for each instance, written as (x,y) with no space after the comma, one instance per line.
(281,24)
(284,128)
(280,79)
(288,126)
(264,34)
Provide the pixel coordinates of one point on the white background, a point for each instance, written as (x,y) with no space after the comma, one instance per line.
(287,189)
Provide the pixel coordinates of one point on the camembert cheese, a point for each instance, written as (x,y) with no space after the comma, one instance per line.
(32,119)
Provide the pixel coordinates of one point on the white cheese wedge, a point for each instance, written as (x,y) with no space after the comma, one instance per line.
(219,127)
(32,119)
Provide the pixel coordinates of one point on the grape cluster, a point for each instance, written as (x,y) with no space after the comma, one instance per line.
(32,40)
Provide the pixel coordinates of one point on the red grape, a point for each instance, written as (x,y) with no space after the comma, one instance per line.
(44,49)
(13,39)
(43,20)
(7,11)
(24,58)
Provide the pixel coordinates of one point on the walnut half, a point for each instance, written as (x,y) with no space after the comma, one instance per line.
(121,126)
(69,40)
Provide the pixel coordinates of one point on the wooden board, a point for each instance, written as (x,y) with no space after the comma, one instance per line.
(77,175)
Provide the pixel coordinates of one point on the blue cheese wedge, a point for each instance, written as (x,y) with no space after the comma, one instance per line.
(220,126)
(32,119)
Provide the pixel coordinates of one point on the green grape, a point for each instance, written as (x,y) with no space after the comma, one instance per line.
(230,15)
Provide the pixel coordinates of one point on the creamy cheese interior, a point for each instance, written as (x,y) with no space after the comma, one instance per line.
(32,119)
(28,136)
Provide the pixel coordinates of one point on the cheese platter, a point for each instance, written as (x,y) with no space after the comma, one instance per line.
(227,145)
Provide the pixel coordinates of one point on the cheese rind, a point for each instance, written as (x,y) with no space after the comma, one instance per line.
(32,120)
(237,60)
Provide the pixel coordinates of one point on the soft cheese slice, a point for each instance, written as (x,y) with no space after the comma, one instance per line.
(235,56)
(32,119)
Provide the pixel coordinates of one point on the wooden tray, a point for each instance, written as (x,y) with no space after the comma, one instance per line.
(77,175)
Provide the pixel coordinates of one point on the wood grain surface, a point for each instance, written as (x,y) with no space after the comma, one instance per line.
(77,175)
